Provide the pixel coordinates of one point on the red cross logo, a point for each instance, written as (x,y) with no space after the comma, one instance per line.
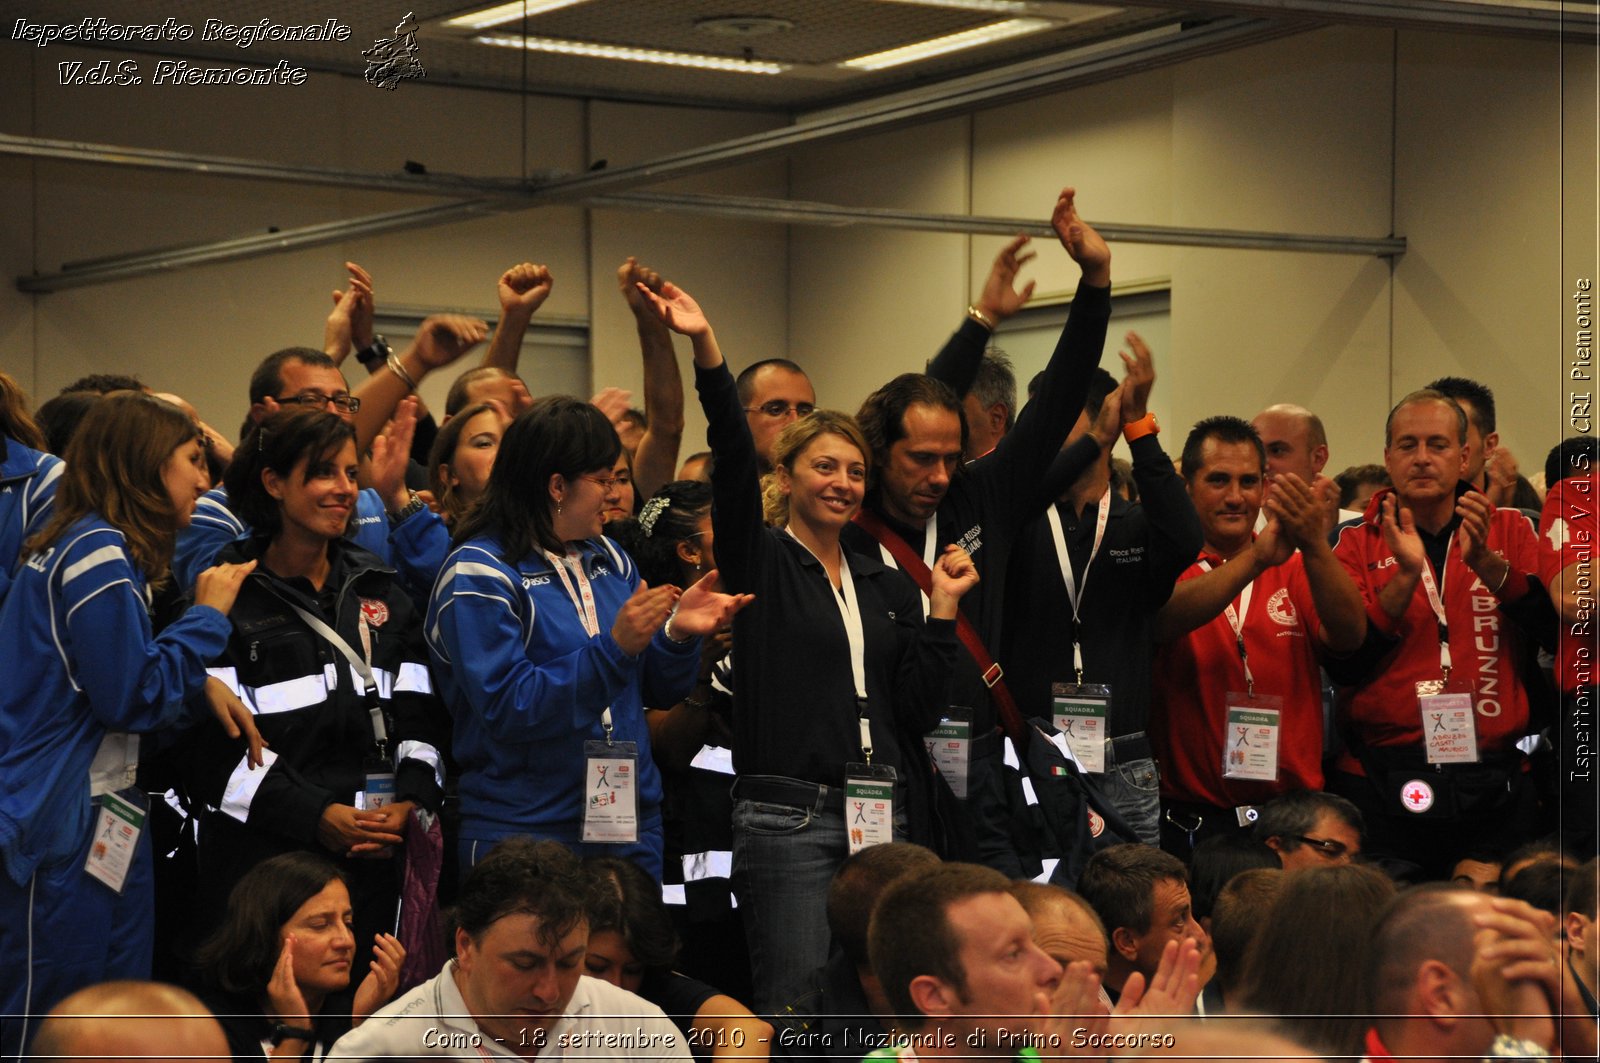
(1417,796)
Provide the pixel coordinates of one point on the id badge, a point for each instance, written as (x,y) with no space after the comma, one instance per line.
(611,793)
(950,746)
(116,837)
(379,788)
(1449,731)
(1250,737)
(868,805)
(1079,712)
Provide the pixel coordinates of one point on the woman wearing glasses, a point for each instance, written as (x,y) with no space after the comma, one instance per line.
(547,643)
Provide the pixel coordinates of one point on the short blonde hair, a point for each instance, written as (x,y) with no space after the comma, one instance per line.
(794,439)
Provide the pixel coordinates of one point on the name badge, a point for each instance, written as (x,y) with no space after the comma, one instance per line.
(378,793)
(116,838)
(868,805)
(1449,729)
(950,746)
(1080,712)
(1250,737)
(611,793)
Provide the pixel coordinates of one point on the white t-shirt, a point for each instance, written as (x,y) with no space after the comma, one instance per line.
(432,1021)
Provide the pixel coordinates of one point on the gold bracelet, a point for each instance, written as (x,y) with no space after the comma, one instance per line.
(981,318)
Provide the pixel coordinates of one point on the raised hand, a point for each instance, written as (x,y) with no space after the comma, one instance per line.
(630,275)
(1400,536)
(642,615)
(377,988)
(1170,994)
(1107,426)
(677,309)
(219,585)
(1139,378)
(1000,299)
(1298,510)
(523,288)
(1475,511)
(703,609)
(1517,970)
(442,338)
(1271,547)
(613,402)
(349,323)
(391,453)
(1086,246)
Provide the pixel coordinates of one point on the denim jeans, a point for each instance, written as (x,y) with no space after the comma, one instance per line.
(1134,789)
(646,852)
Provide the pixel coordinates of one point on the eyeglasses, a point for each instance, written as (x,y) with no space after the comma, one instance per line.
(607,484)
(778,408)
(1326,846)
(347,403)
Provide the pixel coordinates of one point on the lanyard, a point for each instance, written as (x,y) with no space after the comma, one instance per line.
(568,569)
(1075,592)
(850,612)
(929,540)
(1435,593)
(1236,621)
(362,666)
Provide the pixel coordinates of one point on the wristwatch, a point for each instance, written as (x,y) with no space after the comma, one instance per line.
(374,354)
(399,516)
(282,1033)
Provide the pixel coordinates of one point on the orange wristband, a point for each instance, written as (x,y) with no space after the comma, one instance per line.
(1144,426)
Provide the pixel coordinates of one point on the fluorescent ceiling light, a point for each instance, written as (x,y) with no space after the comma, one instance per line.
(633,55)
(493,16)
(1015,7)
(954,42)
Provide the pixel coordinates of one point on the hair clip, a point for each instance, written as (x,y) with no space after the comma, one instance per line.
(651,513)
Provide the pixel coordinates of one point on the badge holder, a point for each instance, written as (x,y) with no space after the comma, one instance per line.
(379,789)
(116,838)
(1080,711)
(1449,723)
(950,746)
(1250,737)
(868,805)
(611,792)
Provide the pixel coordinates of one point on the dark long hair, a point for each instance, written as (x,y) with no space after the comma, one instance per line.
(443,452)
(114,469)
(240,954)
(671,516)
(279,442)
(560,435)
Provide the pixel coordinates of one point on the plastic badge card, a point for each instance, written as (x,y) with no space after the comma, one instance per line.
(611,794)
(1080,712)
(1250,737)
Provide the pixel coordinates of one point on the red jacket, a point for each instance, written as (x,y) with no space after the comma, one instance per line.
(1571,532)
(1485,645)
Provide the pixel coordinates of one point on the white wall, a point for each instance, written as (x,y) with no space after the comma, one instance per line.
(201,331)
(1480,151)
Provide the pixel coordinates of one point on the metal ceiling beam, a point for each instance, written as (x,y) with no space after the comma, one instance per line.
(799,212)
(256,169)
(957,96)
(744,208)
(1532,18)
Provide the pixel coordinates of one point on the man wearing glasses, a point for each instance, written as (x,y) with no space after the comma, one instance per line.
(774,393)
(1309,828)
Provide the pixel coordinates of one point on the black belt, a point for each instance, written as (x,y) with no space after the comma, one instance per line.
(1134,746)
(796,793)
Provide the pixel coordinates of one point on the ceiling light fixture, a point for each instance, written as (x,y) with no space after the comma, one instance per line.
(494,16)
(1009,7)
(954,42)
(556,46)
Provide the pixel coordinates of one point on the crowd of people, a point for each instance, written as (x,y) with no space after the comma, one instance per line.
(512,731)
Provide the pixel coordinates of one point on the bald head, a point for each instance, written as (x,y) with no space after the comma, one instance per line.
(1294,439)
(1064,925)
(131,1021)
